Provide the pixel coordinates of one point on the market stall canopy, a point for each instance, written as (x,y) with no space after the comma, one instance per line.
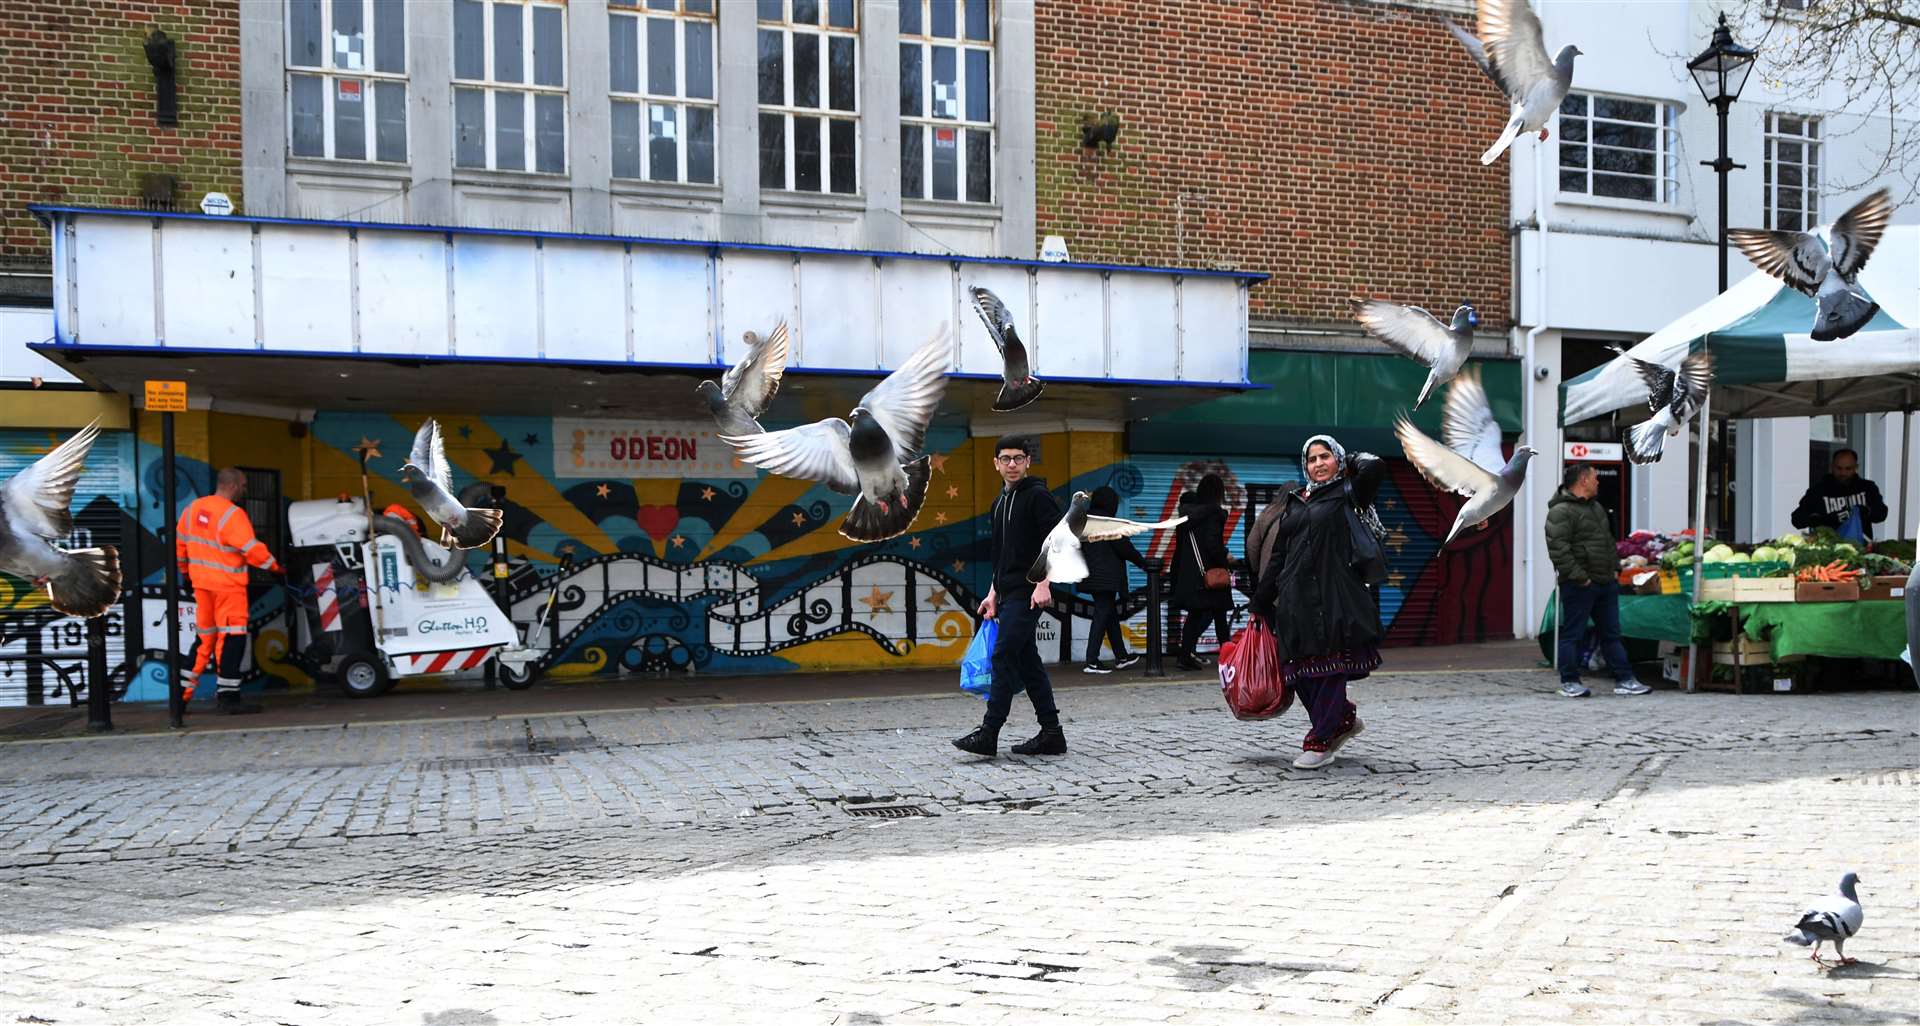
(1765,363)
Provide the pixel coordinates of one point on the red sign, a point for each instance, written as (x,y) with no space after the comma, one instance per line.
(642,449)
(349,90)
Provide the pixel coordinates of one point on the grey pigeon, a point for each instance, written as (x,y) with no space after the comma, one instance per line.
(1673,397)
(1416,333)
(876,453)
(1825,272)
(742,394)
(1833,918)
(1512,50)
(34,512)
(430,479)
(1061,561)
(1469,464)
(1018,386)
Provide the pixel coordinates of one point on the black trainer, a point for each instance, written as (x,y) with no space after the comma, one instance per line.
(1125,661)
(1187,662)
(230,703)
(1096,667)
(1050,741)
(984,740)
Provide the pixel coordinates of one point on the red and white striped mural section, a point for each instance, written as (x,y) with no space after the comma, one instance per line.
(443,662)
(329,596)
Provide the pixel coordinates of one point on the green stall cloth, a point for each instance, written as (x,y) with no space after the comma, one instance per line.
(1837,630)
(1648,617)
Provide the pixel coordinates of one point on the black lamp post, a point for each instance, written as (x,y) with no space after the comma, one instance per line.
(1721,72)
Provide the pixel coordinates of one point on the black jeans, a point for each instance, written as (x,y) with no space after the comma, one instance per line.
(1600,601)
(1016,662)
(1105,623)
(1195,624)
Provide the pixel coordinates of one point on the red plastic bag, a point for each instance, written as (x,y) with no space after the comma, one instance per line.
(1250,676)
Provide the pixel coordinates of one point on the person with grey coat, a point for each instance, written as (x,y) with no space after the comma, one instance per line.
(1582,548)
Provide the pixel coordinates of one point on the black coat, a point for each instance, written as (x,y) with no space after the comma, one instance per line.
(1106,564)
(1205,526)
(1309,592)
(1021,517)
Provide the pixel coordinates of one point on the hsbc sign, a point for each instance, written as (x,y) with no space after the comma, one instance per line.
(1593,452)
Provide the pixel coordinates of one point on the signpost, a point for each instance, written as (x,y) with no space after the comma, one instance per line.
(168,398)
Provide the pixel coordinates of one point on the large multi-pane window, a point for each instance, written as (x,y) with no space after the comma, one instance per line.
(510,85)
(347,79)
(1791,172)
(661,61)
(809,95)
(946,100)
(1622,148)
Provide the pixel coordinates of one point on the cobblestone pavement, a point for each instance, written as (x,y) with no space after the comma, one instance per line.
(1486,852)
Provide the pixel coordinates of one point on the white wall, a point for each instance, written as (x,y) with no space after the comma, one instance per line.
(18,327)
(1881,453)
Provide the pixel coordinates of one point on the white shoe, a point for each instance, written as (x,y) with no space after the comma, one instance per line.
(1313,760)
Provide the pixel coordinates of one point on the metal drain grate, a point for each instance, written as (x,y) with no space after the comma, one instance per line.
(886,811)
(487,762)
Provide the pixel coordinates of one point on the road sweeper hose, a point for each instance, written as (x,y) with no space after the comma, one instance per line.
(438,573)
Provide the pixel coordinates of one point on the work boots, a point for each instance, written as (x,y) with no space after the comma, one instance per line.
(1050,741)
(985,740)
(229,703)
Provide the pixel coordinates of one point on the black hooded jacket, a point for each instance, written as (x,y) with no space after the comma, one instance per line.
(1021,517)
(1823,503)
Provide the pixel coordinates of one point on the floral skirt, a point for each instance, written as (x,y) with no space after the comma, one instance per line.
(1351,664)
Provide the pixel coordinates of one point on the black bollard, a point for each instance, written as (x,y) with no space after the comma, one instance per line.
(99,688)
(176,706)
(1155,640)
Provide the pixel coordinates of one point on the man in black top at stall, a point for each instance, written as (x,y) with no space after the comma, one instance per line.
(1022,516)
(1841,496)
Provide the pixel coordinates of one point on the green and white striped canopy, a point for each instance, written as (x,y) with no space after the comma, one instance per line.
(1766,365)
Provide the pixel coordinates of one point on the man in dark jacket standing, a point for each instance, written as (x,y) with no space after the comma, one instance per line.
(1022,516)
(1581,546)
(1841,496)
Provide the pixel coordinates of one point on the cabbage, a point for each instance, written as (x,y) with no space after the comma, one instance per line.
(1791,540)
(1739,557)
(1846,550)
(1767,554)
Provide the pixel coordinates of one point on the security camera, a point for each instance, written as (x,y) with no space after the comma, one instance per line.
(1542,372)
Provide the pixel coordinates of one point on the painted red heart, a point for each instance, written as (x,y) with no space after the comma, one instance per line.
(658,521)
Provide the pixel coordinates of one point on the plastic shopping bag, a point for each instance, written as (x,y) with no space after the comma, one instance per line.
(1250,676)
(1852,527)
(976,667)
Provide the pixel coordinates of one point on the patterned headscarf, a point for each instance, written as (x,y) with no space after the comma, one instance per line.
(1339,457)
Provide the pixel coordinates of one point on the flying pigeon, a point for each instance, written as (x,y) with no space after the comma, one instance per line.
(1834,918)
(1061,561)
(1673,397)
(1469,463)
(876,453)
(1018,385)
(1825,272)
(744,391)
(430,479)
(1514,56)
(34,511)
(1416,333)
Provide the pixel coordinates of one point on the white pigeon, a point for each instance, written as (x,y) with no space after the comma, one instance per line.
(1416,333)
(1018,386)
(876,453)
(742,394)
(1062,562)
(1825,272)
(1673,397)
(1833,918)
(1512,50)
(430,479)
(1469,463)
(35,511)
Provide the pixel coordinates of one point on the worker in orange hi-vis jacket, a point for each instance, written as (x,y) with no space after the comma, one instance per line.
(215,545)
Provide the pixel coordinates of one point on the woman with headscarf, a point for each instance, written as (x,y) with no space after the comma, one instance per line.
(1199,546)
(1311,590)
(1106,582)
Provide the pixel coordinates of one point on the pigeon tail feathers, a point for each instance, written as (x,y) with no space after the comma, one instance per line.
(89,584)
(1645,441)
(1839,314)
(1506,139)
(1013,396)
(867,522)
(480,527)
(1800,937)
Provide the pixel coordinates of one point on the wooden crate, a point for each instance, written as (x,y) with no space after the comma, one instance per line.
(1826,591)
(1764,589)
(1717,589)
(1885,588)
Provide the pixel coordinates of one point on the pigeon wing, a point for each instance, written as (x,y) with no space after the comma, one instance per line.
(904,403)
(1442,467)
(1100,529)
(1516,48)
(1658,379)
(41,496)
(1858,231)
(1473,47)
(750,384)
(1467,425)
(430,455)
(1409,329)
(1793,257)
(811,452)
(1690,385)
(993,313)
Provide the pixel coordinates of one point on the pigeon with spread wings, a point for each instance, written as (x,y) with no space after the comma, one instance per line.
(430,479)
(1060,560)
(1827,272)
(1674,397)
(35,511)
(1018,386)
(1469,463)
(1416,333)
(742,394)
(1512,50)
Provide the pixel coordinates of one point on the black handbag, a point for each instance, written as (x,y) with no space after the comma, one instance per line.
(1365,533)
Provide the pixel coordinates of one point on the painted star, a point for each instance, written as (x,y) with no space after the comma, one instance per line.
(369,447)
(1396,579)
(940,517)
(1388,504)
(799,518)
(913,543)
(958,566)
(678,540)
(1397,540)
(878,601)
(953,491)
(706,495)
(532,439)
(937,598)
(602,490)
(503,458)
(465,431)
(939,462)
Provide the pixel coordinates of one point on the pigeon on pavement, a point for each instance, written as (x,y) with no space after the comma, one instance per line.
(430,479)
(1833,919)
(876,453)
(1018,385)
(1469,464)
(1414,332)
(1825,272)
(1512,50)
(1673,397)
(1061,561)
(742,394)
(35,511)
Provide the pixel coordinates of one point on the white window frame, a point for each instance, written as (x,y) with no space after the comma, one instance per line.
(330,77)
(824,113)
(639,12)
(492,88)
(1666,151)
(930,123)
(1811,146)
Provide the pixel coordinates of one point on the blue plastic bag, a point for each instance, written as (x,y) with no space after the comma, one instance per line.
(976,667)
(1853,528)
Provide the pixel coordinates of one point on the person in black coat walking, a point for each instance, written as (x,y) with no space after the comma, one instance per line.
(1106,582)
(1199,546)
(1326,625)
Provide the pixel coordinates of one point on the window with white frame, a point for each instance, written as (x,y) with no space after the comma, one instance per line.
(1791,172)
(661,60)
(946,100)
(1619,148)
(510,86)
(809,95)
(347,79)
